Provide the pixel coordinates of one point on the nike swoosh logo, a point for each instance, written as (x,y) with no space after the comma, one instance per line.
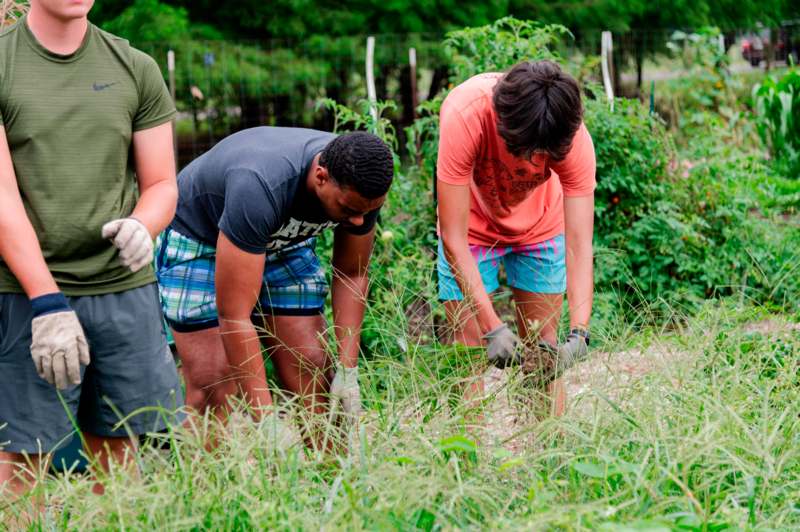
(102,86)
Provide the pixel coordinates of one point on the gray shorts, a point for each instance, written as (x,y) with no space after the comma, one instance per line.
(132,369)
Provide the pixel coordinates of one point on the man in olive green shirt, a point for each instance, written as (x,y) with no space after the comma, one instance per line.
(87,178)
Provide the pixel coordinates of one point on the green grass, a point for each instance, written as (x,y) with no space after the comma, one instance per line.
(706,436)
(683,419)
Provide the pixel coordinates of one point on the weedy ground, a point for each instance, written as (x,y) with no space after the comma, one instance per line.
(696,428)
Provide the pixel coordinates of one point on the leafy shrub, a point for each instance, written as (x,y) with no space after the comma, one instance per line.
(500,45)
(778,108)
(633,150)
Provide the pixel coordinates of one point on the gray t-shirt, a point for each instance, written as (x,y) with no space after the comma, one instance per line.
(251,186)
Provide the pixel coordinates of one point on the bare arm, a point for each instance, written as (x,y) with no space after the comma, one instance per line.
(351,254)
(579,222)
(453,223)
(19,245)
(238,282)
(155,170)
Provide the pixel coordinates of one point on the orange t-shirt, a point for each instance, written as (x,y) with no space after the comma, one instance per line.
(513,201)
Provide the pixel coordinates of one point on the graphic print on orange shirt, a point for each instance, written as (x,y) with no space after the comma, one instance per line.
(504,188)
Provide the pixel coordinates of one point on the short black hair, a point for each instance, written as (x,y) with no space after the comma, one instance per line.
(361,161)
(538,108)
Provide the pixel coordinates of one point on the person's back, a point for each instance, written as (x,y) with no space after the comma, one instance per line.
(268,163)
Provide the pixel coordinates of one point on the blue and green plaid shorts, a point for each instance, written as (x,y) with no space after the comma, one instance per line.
(294,282)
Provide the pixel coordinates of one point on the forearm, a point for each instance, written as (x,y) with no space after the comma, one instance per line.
(580,284)
(465,270)
(156,206)
(20,250)
(243,350)
(349,299)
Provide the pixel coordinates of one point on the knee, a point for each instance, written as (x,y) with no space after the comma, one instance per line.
(209,387)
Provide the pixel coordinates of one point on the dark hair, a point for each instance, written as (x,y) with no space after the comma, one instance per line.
(538,108)
(361,161)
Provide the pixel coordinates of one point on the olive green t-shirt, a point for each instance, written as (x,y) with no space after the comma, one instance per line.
(69,121)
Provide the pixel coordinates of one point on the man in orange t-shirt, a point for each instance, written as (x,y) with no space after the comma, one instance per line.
(516,180)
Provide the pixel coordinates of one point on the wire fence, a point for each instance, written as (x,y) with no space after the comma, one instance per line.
(222,86)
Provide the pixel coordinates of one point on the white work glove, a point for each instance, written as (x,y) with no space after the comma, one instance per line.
(345,390)
(58,348)
(133,240)
(278,432)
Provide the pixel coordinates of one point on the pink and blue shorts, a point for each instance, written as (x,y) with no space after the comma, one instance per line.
(538,268)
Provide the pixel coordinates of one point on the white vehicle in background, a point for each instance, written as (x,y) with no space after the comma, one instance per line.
(786,44)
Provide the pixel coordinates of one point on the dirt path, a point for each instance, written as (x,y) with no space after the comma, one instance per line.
(604,375)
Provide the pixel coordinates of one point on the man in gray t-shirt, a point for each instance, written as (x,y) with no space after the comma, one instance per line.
(241,251)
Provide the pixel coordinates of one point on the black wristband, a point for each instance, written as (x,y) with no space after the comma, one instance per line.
(49,304)
(583,333)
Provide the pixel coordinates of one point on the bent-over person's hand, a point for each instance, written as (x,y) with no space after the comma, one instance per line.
(504,347)
(346,391)
(547,362)
(573,351)
(58,348)
(278,431)
(133,240)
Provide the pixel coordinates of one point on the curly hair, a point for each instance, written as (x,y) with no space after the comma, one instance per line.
(538,108)
(361,161)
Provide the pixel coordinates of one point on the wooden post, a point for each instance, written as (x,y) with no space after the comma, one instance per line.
(373,109)
(412,64)
(171,74)
(412,72)
(606,65)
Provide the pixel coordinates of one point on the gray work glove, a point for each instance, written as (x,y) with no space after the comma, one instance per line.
(504,347)
(571,352)
(133,240)
(58,348)
(345,390)
(548,362)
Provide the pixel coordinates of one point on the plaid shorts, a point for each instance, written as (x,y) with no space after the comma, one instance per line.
(294,282)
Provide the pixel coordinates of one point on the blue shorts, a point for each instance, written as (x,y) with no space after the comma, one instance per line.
(294,282)
(538,268)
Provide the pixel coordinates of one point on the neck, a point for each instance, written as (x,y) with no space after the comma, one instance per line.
(60,36)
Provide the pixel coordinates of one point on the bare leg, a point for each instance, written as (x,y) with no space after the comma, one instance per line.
(206,371)
(18,475)
(300,357)
(302,364)
(544,310)
(462,320)
(18,472)
(106,451)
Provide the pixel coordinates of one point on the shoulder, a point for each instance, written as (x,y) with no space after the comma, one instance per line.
(9,32)
(135,59)
(118,44)
(8,37)
(473,96)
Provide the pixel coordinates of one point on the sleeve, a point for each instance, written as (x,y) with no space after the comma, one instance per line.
(250,214)
(155,103)
(577,170)
(457,146)
(370,219)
